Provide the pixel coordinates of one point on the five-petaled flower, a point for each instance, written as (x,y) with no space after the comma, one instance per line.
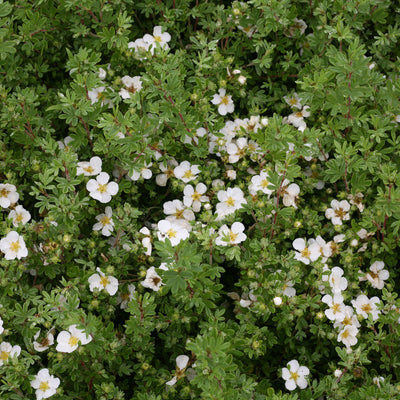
(224,102)
(295,375)
(100,281)
(68,341)
(8,195)
(45,384)
(100,189)
(339,212)
(105,224)
(152,280)
(13,246)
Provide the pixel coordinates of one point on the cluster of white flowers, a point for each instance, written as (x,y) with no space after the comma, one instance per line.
(13,245)
(150,42)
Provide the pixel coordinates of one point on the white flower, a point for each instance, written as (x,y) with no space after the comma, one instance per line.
(242,79)
(230,200)
(144,172)
(63,145)
(365,306)
(293,101)
(181,364)
(97,94)
(153,280)
(13,246)
(200,132)
(100,281)
(105,223)
(44,343)
(1,326)
(348,336)
(7,351)
(336,281)
(378,275)
(306,253)
(357,201)
(349,319)
(124,298)
(336,310)
(158,37)
(146,241)
(139,46)
(261,183)
(132,85)
(167,172)
(186,172)
(100,189)
(173,231)
(297,118)
(68,341)
(178,214)
(338,212)
(224,102)
(236,150)
(290,194)
(288,289)
(295,375)
(194,197)
(277,301)
(378,379)
(8,195)
(234,235)
(19,216)
(102,73)
(45,384)
(89,168)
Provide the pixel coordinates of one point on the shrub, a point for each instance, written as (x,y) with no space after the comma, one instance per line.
(199,200)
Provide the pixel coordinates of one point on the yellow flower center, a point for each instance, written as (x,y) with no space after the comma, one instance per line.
(179,214)
(294,376)
(156,280)
(105,220)
(44,386)
(345,334)
(335,308)
(225,100)
(4,192)
(19,217)
(73,341)
(131,89)
(293,101)
(188,174)
(102,188)
(171,233)
(264,183)
(230,202)
(158,39)
(373,275)
(196,196)
(14,246)
(299,114)
(4,355)
(232,236)
(306,253)
(347,321)
(366,308)
(89,169)
(104,281)
(340,213)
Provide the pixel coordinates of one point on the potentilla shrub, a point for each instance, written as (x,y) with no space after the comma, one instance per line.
(199,200)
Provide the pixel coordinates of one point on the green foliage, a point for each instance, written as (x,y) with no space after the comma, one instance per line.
(314,88)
